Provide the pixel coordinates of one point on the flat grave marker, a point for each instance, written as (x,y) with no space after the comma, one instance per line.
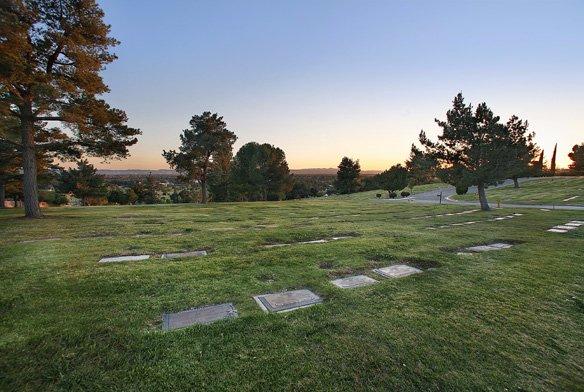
(202,315)
(353,281)
(120,259)
(489,247)
(564,227)
(177,255)
(286,301)
(557,231)
(397,271)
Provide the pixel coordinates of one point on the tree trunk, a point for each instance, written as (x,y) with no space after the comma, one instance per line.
(2,194)
(204,191)
(515,182)
(483,197)
(29,167)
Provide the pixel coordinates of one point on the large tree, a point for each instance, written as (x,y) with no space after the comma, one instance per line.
(523,148)
(348,180)
(577,157)
(260,172)
(474,148)
(207,138)
(51,55)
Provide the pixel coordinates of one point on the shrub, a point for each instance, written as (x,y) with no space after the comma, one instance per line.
(405,194)
(392,195)
(461,189)
(378,195)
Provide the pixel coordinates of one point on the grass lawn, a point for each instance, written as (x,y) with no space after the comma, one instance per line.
(551,190)
(509,319)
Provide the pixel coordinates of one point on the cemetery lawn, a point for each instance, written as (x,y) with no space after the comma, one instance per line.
(510,319)
(547,190)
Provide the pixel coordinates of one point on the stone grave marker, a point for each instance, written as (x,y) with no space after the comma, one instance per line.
(202,315)
(557,231)
(120,259)
(564,227)
(286,301)
(486,248)
(353,281)
(196,253)
(397,271)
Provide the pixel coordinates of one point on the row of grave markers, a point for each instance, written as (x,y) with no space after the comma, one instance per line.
(287,301)
(572,225)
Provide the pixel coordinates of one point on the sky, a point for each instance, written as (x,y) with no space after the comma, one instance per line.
(326,79)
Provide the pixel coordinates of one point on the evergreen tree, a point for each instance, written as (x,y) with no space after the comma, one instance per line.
(51,55)
(577,157)
(348,180)
(394,179)
(84,183)
(474,148)
(523,148)
(553,162)
(259,172)
(207,136)
(421,167)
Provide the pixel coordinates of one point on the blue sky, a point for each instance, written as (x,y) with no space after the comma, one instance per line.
(324,79)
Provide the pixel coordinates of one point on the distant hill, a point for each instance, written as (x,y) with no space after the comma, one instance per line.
(169,172)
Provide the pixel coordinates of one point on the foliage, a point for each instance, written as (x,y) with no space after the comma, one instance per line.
(577,157)
(145,191)
(421,167)
(474,148)
(394,179)
(84,183)
(51,55)
(461,189)
(260,172)
(522,146)
(348,176)
(553,162)
(405,193)
(201,144)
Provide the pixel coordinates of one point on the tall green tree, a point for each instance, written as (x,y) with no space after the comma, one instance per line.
(84,183)
(207,137)
(394,179)
(348,180)
(553,162)
(577,157)
(473,148)
(51,56)
(421,167)
(523,148)
(260,172)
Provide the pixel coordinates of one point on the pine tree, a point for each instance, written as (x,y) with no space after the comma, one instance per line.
(474,148)
(348,180)
(207,137)
(52,53)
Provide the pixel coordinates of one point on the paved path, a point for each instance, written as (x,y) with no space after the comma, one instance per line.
(432,197)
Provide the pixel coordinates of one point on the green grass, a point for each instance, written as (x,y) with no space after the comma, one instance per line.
(553,190)
(509,319)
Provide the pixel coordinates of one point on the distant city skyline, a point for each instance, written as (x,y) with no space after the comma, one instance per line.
(328,79)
